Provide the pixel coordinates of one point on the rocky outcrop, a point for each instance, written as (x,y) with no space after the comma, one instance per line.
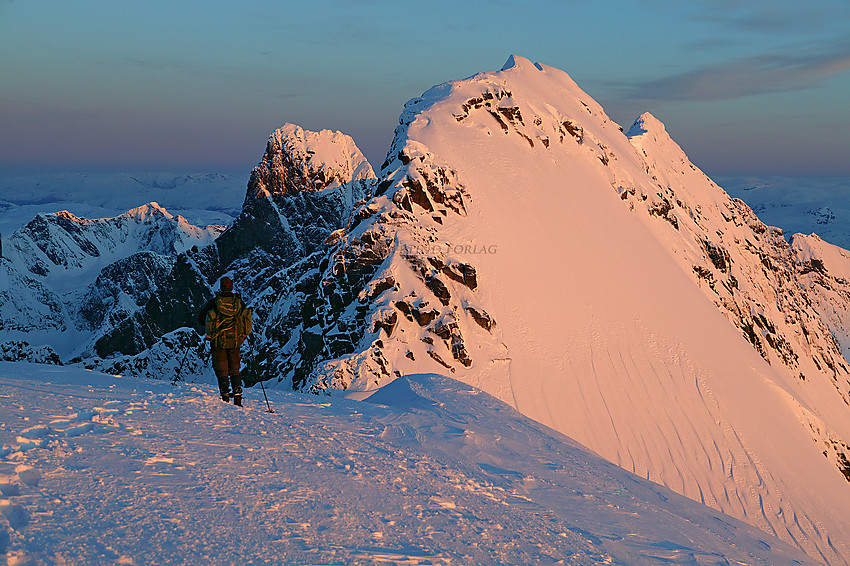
(294,202)
(823,271)
(122,288)
(388,291)
(298,161)
(22,351)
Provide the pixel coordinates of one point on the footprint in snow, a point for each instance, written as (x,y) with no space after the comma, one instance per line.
(75,424)
(8,486)
(28,475)
(14,513)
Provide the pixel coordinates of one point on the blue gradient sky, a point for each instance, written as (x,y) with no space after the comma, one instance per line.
(757,87)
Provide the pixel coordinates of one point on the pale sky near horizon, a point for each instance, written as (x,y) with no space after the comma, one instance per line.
(746,88)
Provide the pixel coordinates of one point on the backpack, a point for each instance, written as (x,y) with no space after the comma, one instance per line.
(228,322)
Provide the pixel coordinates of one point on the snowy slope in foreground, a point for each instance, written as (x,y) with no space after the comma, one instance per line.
(96,469)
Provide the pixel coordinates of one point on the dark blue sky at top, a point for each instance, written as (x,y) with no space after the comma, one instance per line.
(757,87)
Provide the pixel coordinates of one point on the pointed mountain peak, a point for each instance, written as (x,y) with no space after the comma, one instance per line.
(62,214)
(649,134)
(148,211)
(298,160)
(647,123)
(521,63)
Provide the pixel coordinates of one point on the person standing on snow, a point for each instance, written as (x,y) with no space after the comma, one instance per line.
(224,318)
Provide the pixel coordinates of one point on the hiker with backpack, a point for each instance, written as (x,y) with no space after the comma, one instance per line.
(227,322)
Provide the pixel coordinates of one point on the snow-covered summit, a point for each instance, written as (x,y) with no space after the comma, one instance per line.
(599,282)
(647,124)
(299,160)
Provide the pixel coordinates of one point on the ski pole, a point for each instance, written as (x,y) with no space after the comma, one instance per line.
(180,367)
(267,399)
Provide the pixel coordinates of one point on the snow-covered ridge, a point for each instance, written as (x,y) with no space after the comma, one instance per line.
(744,266)
(428,471)
(64,248)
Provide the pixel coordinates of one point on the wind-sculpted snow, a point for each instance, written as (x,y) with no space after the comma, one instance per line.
(780,296)
(96,469)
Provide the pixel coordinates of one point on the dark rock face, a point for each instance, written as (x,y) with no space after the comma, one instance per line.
(21,351)
(132,280)
(175,356)
(274,234)
(27,304)
(289,226)
(173,305)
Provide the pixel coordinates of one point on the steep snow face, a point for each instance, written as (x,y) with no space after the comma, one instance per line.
(298,160)
(521,242)
(761,284)
(745,267)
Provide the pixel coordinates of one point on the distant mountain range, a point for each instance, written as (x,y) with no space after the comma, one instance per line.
(804,205)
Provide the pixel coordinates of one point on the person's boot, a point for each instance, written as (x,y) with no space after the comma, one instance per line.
(226,398)
(237,400)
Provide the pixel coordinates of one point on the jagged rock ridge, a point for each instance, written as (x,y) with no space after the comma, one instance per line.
(304,188)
